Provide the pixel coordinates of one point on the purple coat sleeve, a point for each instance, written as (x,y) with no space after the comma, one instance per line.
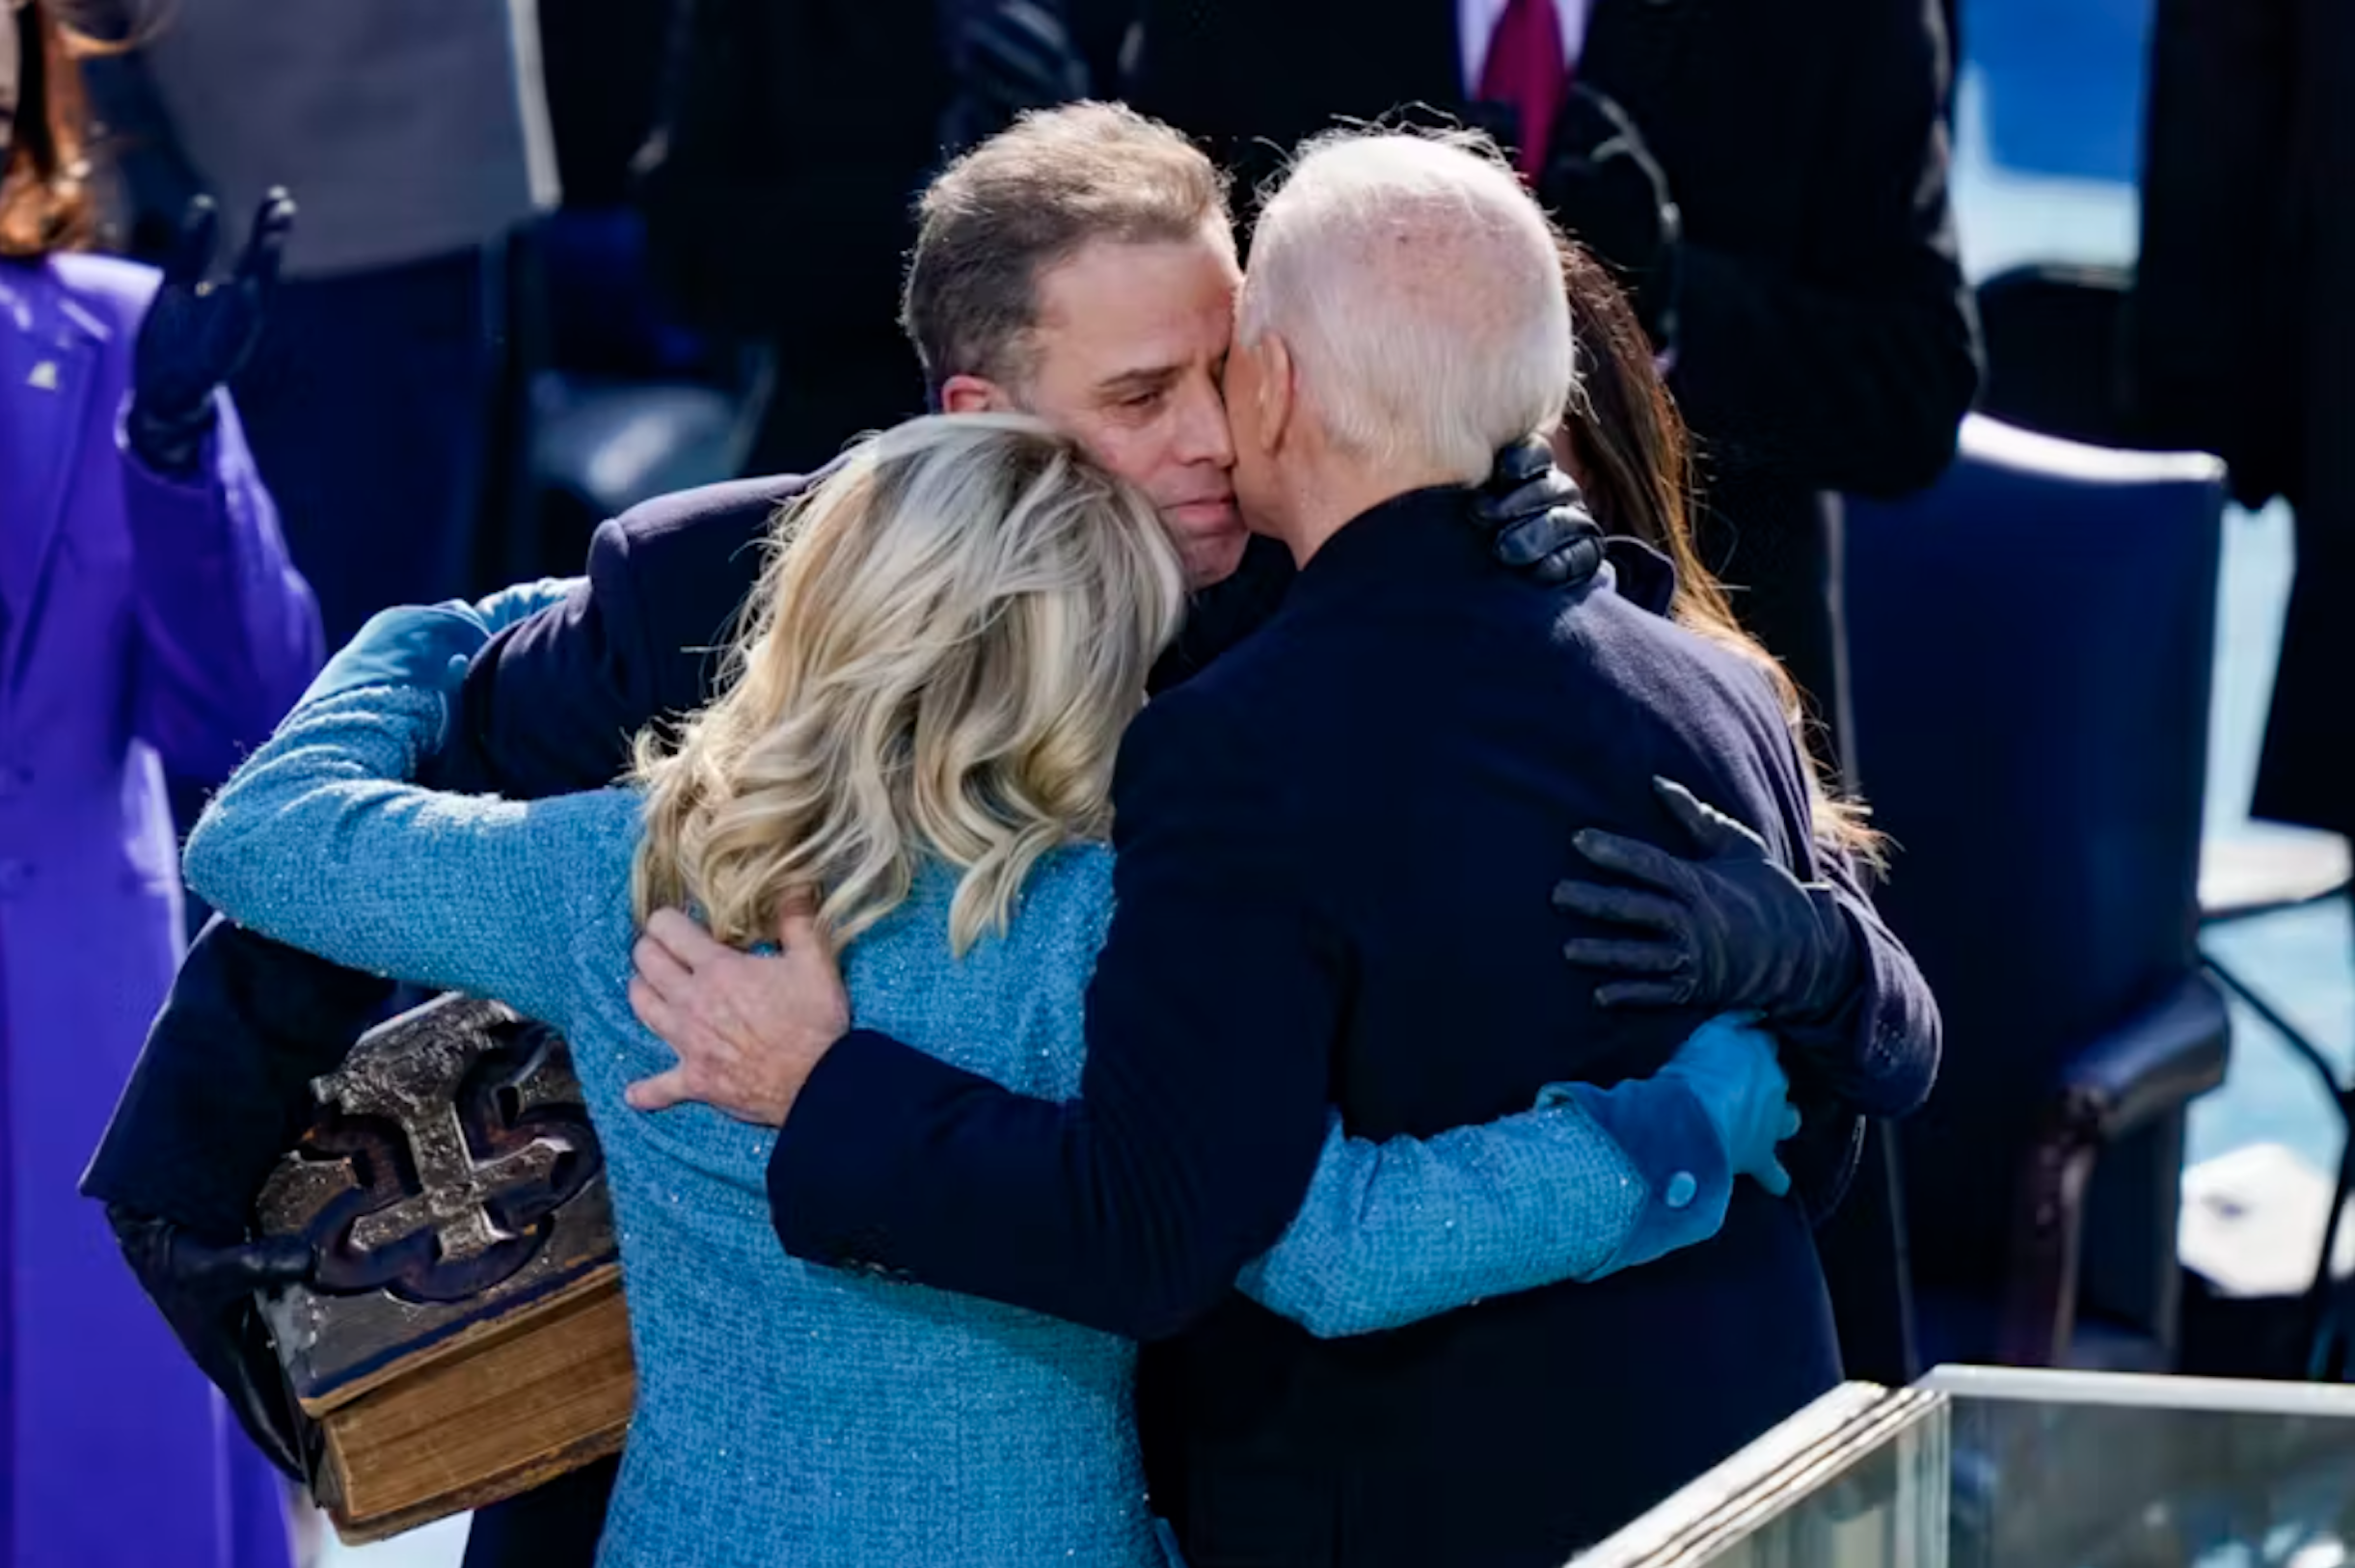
(228,630)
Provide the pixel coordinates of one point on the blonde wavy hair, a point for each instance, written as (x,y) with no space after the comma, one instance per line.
(949,638)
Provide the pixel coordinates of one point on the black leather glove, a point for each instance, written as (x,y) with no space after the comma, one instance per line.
(207,1294)
(1537,518)
(1734,930)
(1009,56)
(198,335)
(1602,182)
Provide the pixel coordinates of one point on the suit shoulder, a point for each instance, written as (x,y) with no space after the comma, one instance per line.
(735,511)
(115,291)
(1706,670)
(692,554)
(1212,715)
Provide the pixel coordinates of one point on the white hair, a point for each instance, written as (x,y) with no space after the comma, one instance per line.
(1418,288)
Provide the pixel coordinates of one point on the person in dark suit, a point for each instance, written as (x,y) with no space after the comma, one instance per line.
(551,706)
(2243,338)
(1770,183)
(776,186)
(1323,878)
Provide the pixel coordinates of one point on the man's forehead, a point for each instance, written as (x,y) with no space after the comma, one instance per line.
(1120,311)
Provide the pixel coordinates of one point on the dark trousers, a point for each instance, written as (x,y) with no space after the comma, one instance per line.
(553,1525)
(1868,1272)
(367,408)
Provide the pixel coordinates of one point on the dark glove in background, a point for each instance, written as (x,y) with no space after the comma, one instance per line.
(197,335)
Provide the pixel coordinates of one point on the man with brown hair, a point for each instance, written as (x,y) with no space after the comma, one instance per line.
(1079,266)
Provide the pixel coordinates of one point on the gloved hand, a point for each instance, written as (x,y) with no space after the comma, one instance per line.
(1008,55)
(197,335)
(206,1293)
(521,600)
(1731,1068)
(1734,930)
(1537,516)
(1602,182)
(414,645)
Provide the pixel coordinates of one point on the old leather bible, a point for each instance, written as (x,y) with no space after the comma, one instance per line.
(464,1339)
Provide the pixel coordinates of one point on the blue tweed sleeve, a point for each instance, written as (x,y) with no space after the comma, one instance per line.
(1590,1181)
(317,843)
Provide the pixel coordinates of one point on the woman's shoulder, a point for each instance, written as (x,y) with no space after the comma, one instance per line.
(1070,883)
(1058,917)
(1065,906)
(1011,1006)
(115,291)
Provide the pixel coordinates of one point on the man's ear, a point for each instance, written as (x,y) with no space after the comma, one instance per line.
(1276,394)
(973,395)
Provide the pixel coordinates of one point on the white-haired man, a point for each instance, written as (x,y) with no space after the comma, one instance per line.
(1340,827)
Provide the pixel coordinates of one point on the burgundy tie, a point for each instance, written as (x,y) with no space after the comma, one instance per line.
(1525,69)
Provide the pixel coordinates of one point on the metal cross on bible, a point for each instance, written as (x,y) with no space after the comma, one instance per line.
(421,1100)
(447,1142)
(453,1197)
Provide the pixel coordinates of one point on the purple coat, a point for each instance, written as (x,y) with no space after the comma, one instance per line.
(148,623)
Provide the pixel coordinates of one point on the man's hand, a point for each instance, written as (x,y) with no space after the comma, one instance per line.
(1537,518)
(207,1294)
(748,1028)
(1735,932)
(195,334)
(1611,194)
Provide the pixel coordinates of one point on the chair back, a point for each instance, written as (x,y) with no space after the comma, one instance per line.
(2031,642)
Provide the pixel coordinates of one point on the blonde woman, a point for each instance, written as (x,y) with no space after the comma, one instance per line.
(913,761)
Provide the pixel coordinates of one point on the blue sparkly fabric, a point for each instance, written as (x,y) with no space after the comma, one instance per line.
(790,1414)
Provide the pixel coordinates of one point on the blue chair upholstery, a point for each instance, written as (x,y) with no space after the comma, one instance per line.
(2031,642)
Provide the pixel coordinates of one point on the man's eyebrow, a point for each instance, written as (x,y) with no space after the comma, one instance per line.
(1150,378)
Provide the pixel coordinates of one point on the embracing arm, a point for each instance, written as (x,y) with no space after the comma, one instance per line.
(1877,1049)
(316,843)
(1733,929)
(221,1084)
(1591,1181)
(547,707)
(1201,1108)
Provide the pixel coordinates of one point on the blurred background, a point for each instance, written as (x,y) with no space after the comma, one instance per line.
(2063,650)
(2049,117)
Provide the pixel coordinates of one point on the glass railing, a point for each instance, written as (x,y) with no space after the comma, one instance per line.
(1979,1468)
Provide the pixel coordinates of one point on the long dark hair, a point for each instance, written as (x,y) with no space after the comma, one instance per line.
(45,190)
(1634,458)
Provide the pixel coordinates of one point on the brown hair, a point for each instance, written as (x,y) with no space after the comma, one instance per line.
(1634,462)
(44,189)
(1026,198)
